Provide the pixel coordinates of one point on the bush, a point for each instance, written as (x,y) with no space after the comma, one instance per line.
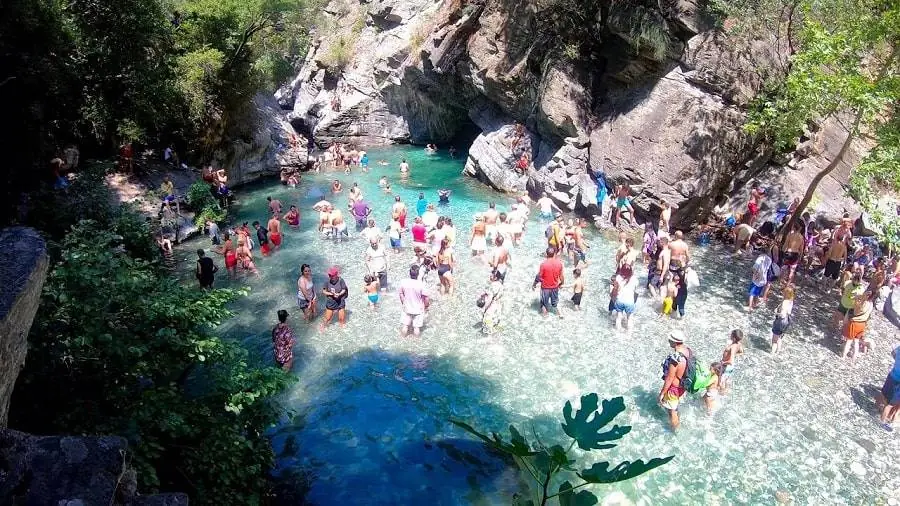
(119,348)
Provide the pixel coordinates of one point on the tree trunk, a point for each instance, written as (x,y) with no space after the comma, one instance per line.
(814,184)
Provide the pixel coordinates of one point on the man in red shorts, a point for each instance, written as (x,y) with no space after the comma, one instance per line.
(756,195)
(274,226)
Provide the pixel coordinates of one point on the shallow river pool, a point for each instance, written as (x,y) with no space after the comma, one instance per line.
(370,412)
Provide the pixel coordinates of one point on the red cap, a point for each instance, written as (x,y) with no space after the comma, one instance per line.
(333,271)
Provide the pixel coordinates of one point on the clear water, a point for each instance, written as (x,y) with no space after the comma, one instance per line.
(370,409)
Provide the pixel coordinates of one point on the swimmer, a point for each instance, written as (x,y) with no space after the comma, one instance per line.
(293,217)
(500,258)
(404,167)
(228,251)
(477,242)
(245,258)
(336,186)
(383,181)
(274,205)
(370,288)
(445,262)
(490,223)
(547,206)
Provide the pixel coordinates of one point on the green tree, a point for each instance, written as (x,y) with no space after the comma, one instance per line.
(845,66)
(119,348)
(588,428)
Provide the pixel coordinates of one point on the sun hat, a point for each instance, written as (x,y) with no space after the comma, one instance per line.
(676,337)
(333,271)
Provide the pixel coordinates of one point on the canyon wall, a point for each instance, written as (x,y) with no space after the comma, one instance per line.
(651,94)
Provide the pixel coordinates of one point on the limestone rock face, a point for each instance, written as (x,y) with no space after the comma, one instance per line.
(654,96)
(275,145)
(23,273)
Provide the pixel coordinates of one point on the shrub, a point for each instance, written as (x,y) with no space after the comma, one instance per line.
(120,348)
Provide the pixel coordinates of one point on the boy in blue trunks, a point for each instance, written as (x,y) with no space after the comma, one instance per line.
(890,394)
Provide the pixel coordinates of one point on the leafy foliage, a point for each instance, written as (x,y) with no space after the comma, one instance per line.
(586,429)
(118,348)
(845,67)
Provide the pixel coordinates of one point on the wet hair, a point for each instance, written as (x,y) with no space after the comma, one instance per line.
(551,251)
(255,223)
(576,272)
(736,336)
(368,278)
(293,207)
(502,216)
(304,267)
(226,236)
(629,242)
(421,195)
(371,222)
(269,199)
(282,315)
(491,205)
(414,271)
(201,253)
(397,198)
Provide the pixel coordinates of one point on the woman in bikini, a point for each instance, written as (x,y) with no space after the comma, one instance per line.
(293,217)
(227,250)
(445,262)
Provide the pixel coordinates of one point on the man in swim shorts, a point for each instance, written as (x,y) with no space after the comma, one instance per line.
(490,223)
(834,260)
(274,206)
(546,206)
(794,246)
(890,393)
(274,226)
(674,369)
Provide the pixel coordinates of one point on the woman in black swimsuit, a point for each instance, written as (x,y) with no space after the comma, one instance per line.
(445,266)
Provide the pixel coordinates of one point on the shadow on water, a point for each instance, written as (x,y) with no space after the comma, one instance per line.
(374,429)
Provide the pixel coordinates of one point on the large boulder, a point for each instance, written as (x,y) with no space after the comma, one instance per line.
(275,145)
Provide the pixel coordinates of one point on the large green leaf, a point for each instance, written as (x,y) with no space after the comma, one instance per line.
(517,446)
(585,426)
(600,472)
(567,497)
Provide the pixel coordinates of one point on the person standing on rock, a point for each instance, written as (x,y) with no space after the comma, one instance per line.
(623,203)
(665,217)
(753,205)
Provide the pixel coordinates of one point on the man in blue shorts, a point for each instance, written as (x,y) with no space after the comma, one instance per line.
(890,394)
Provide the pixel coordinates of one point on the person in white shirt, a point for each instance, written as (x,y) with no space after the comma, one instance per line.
(414,300)
(371,232)
(760,278)
(430,217)
(377,263)
(624,286)
(782,318)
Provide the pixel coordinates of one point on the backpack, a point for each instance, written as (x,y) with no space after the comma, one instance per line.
(697,376)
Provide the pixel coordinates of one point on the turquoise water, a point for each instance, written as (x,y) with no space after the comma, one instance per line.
(369,413)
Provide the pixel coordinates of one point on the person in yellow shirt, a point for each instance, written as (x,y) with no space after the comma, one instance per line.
(167,188)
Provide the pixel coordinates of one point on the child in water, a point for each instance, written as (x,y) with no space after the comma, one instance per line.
(370,288)
(577,288)
(733,349)
(671,292)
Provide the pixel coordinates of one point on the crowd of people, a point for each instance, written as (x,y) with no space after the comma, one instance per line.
(824,259)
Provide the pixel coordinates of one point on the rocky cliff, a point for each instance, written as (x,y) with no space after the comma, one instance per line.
(650,93)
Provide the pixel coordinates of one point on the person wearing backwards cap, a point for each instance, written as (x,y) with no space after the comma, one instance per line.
(674,369)
(335,291)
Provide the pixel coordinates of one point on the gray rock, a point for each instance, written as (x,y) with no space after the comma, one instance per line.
(23,270)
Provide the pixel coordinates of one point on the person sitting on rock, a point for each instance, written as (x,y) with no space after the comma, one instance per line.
(522,164)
